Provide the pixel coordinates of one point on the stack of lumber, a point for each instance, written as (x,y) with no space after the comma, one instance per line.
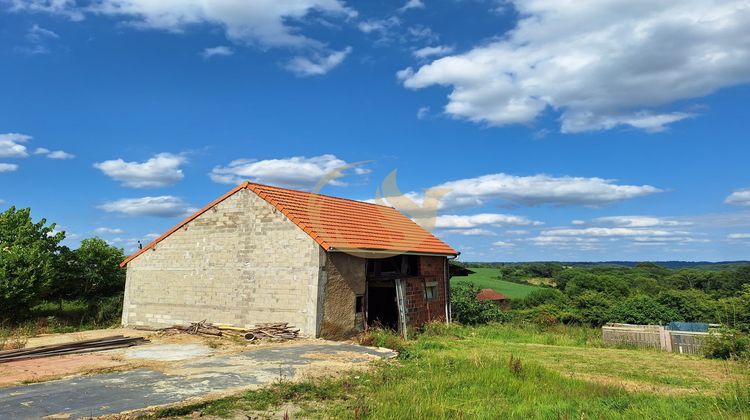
(278,331)
(85,346)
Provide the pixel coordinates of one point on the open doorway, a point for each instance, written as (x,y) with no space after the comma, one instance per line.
(382,309)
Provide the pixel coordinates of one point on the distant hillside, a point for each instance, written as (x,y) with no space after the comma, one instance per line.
(667,264)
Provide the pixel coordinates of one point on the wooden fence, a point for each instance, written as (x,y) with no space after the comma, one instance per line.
(654,336)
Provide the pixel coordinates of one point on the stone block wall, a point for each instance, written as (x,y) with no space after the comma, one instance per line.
(240,263)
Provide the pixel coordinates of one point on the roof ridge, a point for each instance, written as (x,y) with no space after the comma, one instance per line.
(320,195)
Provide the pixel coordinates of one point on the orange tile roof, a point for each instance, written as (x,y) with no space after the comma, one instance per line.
(337,223)
(489,294)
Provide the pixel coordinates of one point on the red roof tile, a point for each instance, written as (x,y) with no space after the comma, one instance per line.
(489,294)
(338,223)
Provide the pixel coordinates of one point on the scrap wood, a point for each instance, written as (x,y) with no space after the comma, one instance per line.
(84,346)
(269,330)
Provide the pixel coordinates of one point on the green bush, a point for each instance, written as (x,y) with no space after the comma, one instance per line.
(728,344)
(641,309)
(546,296)
(466,309)
(593,308)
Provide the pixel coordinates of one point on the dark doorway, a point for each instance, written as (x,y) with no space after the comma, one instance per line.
(382,309)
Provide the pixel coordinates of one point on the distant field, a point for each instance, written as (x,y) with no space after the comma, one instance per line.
(487,278)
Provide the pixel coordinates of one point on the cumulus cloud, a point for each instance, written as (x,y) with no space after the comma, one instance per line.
(8,167)
(739,197)
(436,51)
(262,23)
(11,147)
(317,64)
(379,26)
(598,64)
(268,23)
(108,231)
(60,155)
(159,171)
(162,206)
(503,244)
(483,219)
(297,172)
(539,189)
(221,50)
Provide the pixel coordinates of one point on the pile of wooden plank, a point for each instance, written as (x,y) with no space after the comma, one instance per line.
(85,346)
(276,331)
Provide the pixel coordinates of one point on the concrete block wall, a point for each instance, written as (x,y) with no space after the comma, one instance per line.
(241,262)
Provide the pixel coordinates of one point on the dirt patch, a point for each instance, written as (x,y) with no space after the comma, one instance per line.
(48,368)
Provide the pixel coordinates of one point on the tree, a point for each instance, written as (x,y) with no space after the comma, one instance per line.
(641,309)
(98,265)
(27,256)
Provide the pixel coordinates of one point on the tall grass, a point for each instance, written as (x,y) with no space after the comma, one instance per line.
(512,371)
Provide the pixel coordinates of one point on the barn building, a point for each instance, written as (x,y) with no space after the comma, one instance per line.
(330,266)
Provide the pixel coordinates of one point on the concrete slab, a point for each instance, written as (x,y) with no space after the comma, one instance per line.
(168,352)
(116,392)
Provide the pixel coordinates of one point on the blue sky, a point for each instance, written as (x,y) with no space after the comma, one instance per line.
(586,131)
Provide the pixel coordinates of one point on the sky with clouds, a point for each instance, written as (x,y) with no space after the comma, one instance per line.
(539,129)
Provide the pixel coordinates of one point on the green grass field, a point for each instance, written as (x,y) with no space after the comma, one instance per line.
(507,371)
(487,278)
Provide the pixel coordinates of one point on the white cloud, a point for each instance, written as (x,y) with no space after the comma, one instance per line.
(268,23)
(639,221)
(317,64)
(411,4)
(162,206)
(578,222)
(296,172)
(160,171)
(37,39)
(262,23)
(600,64)
(423,112)
(8,167)
(219,51)
(470,232)
(503,244)
(57,154)
(738,236)
(539,189)
(11,147)
(517,232)
(483,219)
(436,51)
(380,26)
(61,155)
(61,7)
(108,231)
(611,232)
(739,197)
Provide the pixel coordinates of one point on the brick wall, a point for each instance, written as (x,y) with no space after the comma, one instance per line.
(419,310)
(240,263)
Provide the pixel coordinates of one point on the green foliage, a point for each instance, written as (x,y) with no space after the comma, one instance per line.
(34,268)
(545,296)
(689,305)
(593,307)
(468,310)
(641,309)
(727,344)
(27,258)
(735,311)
